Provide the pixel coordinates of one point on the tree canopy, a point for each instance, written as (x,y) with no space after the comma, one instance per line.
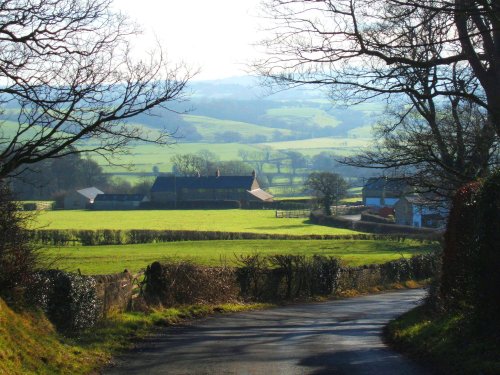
(327,187)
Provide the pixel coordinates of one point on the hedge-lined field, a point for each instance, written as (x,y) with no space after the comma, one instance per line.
(251,221)
(112,259)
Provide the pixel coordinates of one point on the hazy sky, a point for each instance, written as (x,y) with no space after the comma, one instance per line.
(215,35)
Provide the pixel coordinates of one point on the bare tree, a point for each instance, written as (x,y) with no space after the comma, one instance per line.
(438,143)
(439,75)
(188,164)
(361,47)
(68,78)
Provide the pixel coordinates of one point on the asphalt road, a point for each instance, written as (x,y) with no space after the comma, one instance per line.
(337,337)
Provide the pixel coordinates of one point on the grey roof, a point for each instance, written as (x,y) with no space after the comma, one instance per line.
(119,198)
(172,183)
(90,192)
(389,184)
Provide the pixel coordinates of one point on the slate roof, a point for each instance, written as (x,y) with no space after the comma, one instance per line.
(119,198)
(388,184)
(90,192)
(170,183)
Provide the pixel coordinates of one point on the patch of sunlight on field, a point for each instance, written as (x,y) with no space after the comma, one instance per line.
(253,221)
(116,258)
(320,143)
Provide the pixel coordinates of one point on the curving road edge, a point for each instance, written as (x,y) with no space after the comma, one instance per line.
(335,337)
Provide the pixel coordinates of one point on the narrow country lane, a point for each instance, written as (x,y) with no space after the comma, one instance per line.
(336,337)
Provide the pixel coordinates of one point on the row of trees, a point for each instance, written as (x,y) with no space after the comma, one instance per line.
(52,179)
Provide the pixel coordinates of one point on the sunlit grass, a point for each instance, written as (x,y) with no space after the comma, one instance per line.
(447,341)
(112,259)
(252,221)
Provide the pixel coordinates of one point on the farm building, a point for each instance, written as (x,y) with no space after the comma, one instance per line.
(208,188)
(118,201)
(417,211)
(384,191)
(80,199)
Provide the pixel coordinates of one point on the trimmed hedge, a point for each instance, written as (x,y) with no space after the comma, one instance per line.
(57,237)
(191,205)
(371,217)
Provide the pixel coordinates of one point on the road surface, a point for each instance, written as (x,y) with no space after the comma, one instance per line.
(336,337)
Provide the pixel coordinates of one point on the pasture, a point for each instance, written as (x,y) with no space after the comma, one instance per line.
(209,127)
(252,221)
(112,259)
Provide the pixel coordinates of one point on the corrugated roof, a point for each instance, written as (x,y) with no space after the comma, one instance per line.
(90,192)
(171,183)
(261,194)
(119,197)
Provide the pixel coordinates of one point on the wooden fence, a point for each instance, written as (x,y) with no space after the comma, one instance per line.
(293,213)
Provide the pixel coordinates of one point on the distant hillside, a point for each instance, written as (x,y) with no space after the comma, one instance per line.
(240,108)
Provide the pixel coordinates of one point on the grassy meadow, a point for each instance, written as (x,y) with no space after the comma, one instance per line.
(116,258)
(209,127)
(252,221)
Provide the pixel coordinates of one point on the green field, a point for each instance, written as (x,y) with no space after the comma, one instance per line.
(112,259)
(306,115)
(252,221)
(208,127)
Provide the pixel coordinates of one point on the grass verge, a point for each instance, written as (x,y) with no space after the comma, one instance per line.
(30,345)
(447,342)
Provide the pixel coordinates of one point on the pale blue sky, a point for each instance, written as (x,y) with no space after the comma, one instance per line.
(215,35)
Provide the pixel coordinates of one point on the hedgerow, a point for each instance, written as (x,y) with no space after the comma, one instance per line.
(60,237)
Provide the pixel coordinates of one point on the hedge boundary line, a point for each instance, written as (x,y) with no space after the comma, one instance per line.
(66,237)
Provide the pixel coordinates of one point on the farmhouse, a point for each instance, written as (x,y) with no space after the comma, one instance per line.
(417,211)
(384,191)
(118,201)
(80,199)
(208,188)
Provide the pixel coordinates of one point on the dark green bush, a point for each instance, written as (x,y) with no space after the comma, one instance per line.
(19,258)
(487,287)
(461,249)
(68,299)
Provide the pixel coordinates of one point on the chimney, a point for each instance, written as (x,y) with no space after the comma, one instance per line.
(217,173)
